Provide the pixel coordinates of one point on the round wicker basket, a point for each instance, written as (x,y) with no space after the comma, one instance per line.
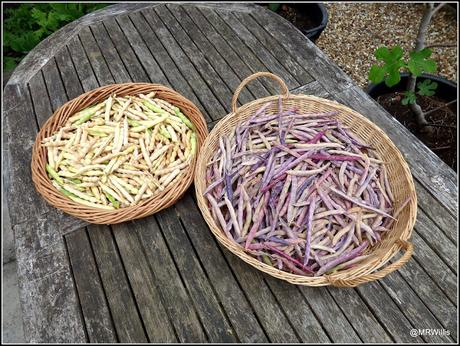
(147,207)
(374,267)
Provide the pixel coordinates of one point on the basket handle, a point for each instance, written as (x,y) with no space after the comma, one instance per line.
(408,247)
(284,88)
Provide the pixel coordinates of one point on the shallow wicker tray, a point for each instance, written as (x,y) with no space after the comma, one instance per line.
(402,186)
(147,207)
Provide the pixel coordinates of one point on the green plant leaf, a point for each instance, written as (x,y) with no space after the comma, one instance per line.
(376,74)
(389,56)
(419,63)
(427,87)
(409,98)
(389,71)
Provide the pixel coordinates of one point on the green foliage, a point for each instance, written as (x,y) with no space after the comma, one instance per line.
(409,98)
(393,63)
(427,87)
(389,71)
(274,6)
(419,62)
(26,25)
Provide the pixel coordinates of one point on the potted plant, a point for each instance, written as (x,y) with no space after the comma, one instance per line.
(423,102)
(310,18)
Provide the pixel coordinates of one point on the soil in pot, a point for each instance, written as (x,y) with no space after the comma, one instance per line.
(300,20)
(442,140)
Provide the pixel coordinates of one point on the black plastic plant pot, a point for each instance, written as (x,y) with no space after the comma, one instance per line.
(315,12)
(447,90)
(318,15)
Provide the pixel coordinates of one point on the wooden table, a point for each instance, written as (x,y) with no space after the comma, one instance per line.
(165,277)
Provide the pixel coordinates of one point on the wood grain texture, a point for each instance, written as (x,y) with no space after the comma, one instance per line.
(224,45)
(68,74)
(212,106)
(392,318)
(91,294)
(178,81)
(173,290)
(50,307)
(229,293)
(201,42)
(412,306)
(331,317)
(212,316)
(269,312)
(317,64)
(123,307)
(144,286)
(123,48)
(297,310)
(238,45)
(109,53)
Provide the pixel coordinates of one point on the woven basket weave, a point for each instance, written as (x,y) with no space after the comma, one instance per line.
(375,266)
(147,207)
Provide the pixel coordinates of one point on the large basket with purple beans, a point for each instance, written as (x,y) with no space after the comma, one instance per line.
(307,190)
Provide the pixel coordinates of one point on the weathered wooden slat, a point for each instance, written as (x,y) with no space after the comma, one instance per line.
(95,57)
(312,88)
(213,318)
(96,314)
(436,212)
(175,77)
(412,306)
(82,65)
(173,290)
(222,93)
(40,99)
(22,131)
(268,311)
(226,287)
(223,46)
(68,74)
(264,53)
(218,63)
(282,55)
(51,312)
(435,300)
(359,315)
(387,311)
(148,61)
(330,315)
(54,85)
(435,267)
(317,64)
(127,55)
(213,107)
(435,239)
(109,51)
(438,178)
(153,313)
(251,59)
(297,311)
(126,319)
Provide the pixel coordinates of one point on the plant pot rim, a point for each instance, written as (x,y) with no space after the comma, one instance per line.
(324,13)
(436,78)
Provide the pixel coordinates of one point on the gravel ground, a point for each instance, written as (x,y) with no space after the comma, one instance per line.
(355,30)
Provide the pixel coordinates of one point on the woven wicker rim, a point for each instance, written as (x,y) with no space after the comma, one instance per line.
(376,265)
(147,207)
